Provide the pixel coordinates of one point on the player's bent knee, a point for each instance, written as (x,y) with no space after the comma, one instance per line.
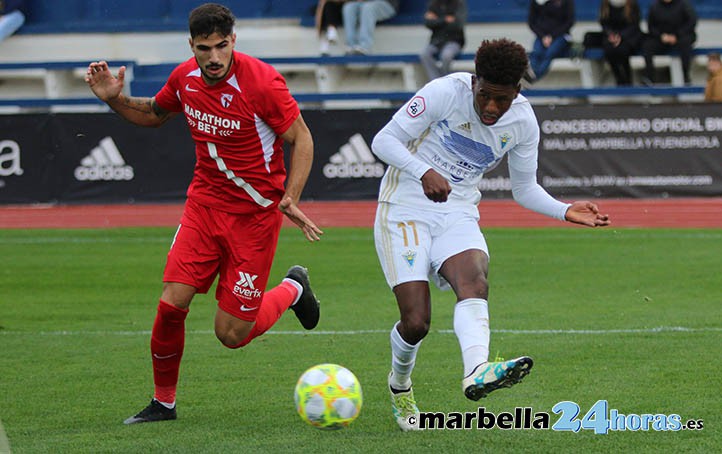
(177,294)
(233,338)
(231,331)
(413,331)
(231,341)
(481,288)
(476,288)
(234,346)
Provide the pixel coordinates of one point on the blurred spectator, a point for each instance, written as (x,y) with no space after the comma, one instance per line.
(551,21)
(328,19)
(359,21)
(713,90)
(671,25)
(621,36)
(11,17)
(446,20)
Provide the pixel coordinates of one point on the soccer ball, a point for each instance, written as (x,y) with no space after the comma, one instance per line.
(328,396)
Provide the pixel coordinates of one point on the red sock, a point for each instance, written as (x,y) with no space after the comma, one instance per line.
(275,302)
(166,346)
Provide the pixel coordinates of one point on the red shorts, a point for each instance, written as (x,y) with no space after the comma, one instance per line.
(239,248)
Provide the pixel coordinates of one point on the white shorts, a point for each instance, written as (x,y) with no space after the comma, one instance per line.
(413,244)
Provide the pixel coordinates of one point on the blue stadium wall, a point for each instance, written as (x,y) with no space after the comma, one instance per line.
(45,16)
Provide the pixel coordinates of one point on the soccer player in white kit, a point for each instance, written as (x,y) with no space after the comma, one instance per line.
(438,147)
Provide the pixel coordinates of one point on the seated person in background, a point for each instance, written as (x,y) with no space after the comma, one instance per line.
(622,36)
(713,89)
(359,21)
(446,20)
(671,25)
(551,21)
(11,17)
(328,19)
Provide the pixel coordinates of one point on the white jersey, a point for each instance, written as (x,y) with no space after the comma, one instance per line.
(451,139)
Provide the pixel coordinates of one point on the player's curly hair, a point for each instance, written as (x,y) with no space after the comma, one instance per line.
(211,18)
(501,61)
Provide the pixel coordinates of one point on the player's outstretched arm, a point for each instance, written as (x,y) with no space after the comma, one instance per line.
(299,138)
(109,89)
(586,213)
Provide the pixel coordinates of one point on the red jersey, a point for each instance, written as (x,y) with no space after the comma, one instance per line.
(236,125)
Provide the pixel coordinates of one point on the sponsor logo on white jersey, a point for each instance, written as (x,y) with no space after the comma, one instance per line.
(245,288)
(353,160)
(104,163)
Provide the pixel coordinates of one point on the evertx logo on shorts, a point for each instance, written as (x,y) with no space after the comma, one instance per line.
(245,288)
(104,163)
(353,160)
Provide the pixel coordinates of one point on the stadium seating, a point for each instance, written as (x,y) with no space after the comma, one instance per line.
(329,72)
(330,87)
(51,80)
(164,15)
(593,65)
(279,32)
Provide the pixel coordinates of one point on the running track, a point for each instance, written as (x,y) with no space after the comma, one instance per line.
(685,213)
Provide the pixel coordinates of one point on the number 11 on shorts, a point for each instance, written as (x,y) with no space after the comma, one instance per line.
(403,226)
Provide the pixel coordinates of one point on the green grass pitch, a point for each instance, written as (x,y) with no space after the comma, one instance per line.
(630,316)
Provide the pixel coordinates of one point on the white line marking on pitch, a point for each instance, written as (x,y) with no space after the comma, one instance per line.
(4,443)
(659,329)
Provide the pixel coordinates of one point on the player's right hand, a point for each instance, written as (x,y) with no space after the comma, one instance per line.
(436,188)
(102,82)
(586,213)
(294,213)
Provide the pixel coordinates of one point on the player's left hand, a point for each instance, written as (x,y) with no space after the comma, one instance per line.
(586,213)
(102,82)
(294,213)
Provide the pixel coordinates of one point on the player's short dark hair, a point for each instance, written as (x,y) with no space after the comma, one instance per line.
(501,61)
(211,18)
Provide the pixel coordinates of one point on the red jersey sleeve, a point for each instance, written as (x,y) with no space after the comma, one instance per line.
(167,97)
(277,107)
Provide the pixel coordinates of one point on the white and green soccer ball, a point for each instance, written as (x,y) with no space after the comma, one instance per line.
(328,396)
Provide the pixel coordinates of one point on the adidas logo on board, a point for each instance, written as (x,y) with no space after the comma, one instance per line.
(104,163)
(353,160)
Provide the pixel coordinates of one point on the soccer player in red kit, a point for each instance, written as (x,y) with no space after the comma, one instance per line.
(240,112)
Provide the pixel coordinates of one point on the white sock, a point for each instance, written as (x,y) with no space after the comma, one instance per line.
(298,287)
(471,325)
(167,405)
(403,359)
